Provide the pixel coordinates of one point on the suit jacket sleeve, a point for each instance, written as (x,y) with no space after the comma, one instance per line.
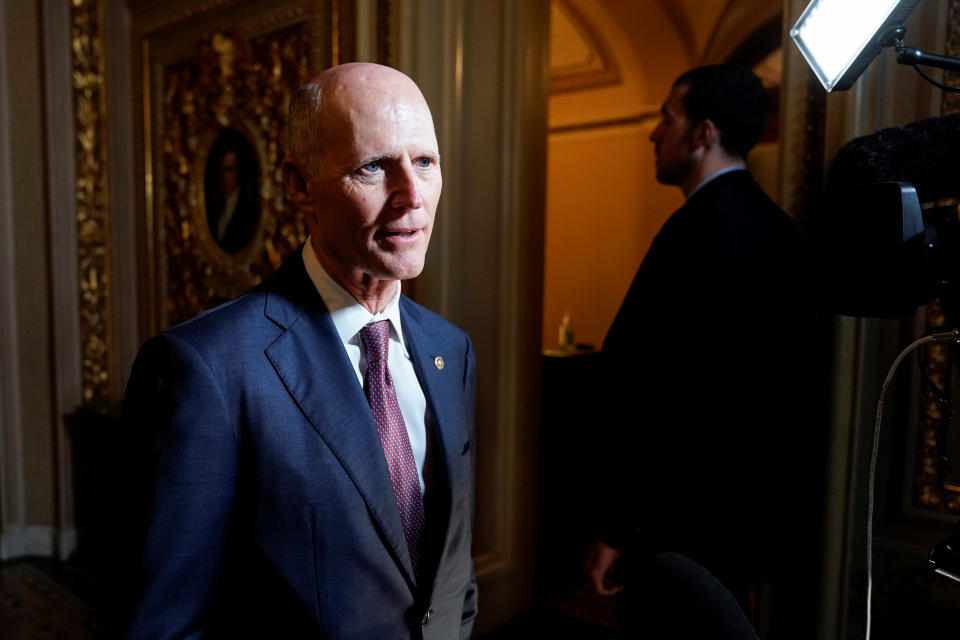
(190,446)
(470,393)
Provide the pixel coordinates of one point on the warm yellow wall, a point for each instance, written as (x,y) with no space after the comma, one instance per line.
(603,209)
(604,205)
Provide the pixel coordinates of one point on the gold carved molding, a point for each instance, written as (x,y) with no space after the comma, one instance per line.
(930,492)
(92,200)
(244,85)
(208,74)
(802,134)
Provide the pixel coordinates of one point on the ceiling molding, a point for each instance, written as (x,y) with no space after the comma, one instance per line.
(718,26)
(597,68)
(681,21)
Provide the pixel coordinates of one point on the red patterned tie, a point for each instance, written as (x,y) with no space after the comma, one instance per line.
(382,397)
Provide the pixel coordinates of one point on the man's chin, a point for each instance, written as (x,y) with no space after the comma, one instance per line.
(667,179)
(405,270)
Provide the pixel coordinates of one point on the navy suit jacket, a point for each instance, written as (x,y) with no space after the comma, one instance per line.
(707,367)
(267,506)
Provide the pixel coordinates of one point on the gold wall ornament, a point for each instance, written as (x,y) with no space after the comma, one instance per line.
(933,492)
(92,201)
(205,68)
(235,87)
(803,120)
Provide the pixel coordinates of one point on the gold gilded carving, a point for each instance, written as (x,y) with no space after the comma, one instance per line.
(950,102)
(930,491)
(803,126)
(92,200)
(195,9)
(235,88)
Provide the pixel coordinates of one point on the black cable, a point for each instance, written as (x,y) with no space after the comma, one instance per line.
(934,82)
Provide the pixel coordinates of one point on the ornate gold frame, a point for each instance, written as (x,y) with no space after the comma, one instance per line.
(227,66)
(327,38)
(92,201)
(245,81)
(210,252)
(930,494)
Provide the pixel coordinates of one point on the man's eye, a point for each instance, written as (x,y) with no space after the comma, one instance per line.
(423,163)
(372,167)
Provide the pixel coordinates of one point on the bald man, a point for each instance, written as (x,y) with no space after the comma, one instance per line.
(310,468)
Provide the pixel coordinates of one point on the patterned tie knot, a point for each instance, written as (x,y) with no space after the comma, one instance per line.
(376,344)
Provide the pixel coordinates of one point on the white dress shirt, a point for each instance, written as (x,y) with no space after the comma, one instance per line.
(349,316)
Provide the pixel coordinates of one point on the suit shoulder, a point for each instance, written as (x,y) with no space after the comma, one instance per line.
(223,315)
(739,200)
(228,330)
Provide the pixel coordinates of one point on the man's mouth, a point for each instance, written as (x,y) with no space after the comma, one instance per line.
(399,236)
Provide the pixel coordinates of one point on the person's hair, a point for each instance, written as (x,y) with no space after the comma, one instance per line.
(733,98)
(303,127)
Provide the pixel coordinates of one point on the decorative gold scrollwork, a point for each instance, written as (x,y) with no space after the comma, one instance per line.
(92,201)
(236,88)
(930,492)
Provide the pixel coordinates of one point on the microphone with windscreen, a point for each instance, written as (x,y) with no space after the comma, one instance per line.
(886,238)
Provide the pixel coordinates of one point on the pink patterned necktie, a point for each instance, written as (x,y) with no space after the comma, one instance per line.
(382,396)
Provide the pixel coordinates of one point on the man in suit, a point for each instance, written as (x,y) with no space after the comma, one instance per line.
(233,208)
(705,363)
(311,469)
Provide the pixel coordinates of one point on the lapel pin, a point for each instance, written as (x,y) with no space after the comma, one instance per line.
(438,363)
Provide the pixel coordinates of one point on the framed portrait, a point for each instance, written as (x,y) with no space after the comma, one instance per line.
(219,218)
(231,191)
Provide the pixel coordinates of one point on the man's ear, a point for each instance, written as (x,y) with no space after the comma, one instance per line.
(298,189)
(706,134)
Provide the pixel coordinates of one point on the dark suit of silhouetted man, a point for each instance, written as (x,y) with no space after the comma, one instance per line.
(270,506)
(703,366)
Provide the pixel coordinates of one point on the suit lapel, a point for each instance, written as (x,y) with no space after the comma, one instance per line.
(310,360)
(444,394)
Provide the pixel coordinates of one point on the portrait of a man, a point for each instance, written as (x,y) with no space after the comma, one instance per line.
(232,191)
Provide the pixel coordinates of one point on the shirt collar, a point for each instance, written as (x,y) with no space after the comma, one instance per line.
(714,176)
(348,315)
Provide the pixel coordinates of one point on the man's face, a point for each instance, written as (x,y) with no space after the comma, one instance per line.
(673,140)
(229,179)
(378,185)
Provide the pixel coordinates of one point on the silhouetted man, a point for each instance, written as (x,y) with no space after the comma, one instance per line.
(703,366)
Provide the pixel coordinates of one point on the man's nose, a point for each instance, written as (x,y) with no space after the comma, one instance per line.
(406,189)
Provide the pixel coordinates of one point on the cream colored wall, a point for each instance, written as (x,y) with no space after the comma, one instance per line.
(603,209)
(603,205)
